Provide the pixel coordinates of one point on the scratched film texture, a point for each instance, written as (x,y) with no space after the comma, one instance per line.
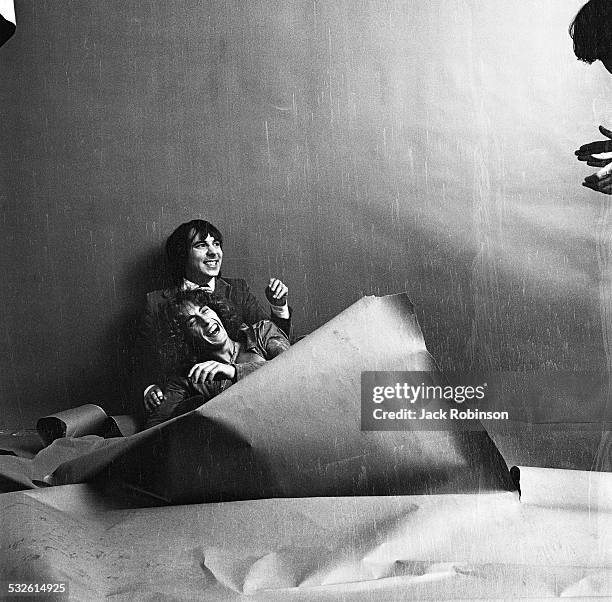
(348,147)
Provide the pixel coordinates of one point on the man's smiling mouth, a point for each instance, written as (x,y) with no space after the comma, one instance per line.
(212,330)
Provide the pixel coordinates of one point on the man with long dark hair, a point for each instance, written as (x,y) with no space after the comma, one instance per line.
(209,350)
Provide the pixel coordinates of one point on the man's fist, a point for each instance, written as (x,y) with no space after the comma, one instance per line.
(153,398)
(276,292)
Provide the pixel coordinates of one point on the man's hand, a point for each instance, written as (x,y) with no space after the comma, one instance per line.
(153,398)
(600,181)
(598,154)
(603,148)
(211,370)
(276,292)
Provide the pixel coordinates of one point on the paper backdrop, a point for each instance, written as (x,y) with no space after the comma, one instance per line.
(347,147)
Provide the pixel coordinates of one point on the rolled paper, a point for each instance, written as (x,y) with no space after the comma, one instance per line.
(88,419)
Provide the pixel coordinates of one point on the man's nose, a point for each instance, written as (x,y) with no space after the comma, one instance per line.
(204,317)
(211,251)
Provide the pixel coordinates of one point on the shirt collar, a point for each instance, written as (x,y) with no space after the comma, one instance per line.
(192,286)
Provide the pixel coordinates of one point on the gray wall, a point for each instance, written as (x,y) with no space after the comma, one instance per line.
(348,147)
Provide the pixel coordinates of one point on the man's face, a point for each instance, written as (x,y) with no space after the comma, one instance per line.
(204,325)
(204,259)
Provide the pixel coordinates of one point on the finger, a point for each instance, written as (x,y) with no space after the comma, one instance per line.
(194,373)
(280,290)
(598,146)
(269,291)
(148,401)
(606,132)
(587,149)
(596,184)
(605,188)
(195,368)
(591,157)
(598,162)
(591,182)
(201,371)
(212,373)
(207,374)
(593,148)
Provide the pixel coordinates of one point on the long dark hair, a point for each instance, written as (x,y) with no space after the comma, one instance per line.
(181,350)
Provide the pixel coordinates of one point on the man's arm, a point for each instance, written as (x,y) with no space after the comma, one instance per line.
(272,339)
(152,371)
(280,312)
(252,311)
(148,369)
(245,368)
(266,341)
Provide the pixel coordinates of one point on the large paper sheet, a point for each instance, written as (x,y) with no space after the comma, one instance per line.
(292,429)
(426,547)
